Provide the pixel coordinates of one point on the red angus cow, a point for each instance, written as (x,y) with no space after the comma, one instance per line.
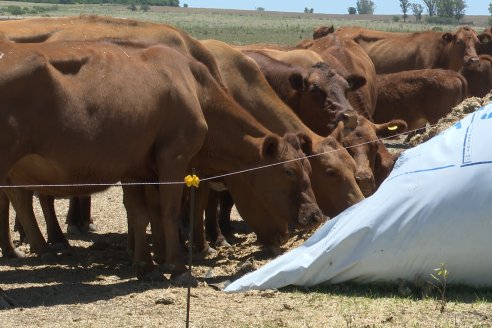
(395,52)
(418,97)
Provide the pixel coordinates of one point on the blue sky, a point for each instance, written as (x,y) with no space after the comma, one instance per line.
(383,7)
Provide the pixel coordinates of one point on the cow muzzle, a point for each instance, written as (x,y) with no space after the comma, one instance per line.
(366,184)
(471,60)
(311,218)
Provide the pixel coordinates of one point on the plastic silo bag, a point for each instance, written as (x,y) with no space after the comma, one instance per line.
(435,207)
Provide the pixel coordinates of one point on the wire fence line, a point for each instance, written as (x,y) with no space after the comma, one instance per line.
(158,183)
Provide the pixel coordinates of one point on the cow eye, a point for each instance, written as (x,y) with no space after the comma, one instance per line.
(459,41)
(290,172)
(330,172)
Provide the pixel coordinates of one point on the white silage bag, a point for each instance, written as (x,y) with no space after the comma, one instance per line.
(435,207)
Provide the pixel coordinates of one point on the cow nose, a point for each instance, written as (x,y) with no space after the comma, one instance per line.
(366,184)
(312,219)
(471,59)
(349,120)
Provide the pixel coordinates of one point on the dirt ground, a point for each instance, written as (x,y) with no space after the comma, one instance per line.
(94,286)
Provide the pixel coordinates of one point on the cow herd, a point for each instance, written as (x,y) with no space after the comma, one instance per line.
(91,101)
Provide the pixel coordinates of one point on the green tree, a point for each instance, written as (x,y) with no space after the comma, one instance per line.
(459,9)
(431,7)
(490,8)
(404,5)
(417,10)
(365,7)
(353,10)
(445,8)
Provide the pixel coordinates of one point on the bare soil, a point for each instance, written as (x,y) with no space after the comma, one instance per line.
(94,286)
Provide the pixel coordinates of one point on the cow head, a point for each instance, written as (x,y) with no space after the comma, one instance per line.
(485,44)
(478,76)
(333,177)
(462,47)
(373,162)
(324,98)
(276,196)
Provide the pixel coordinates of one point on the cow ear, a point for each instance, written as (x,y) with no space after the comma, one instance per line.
(448,37)
(296,81)
(270,147)
(391,128)
(306,143)
(338,133)
(356,81)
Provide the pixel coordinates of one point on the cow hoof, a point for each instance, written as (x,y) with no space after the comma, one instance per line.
(49,257)
(183,280)
(60,247)
(166,267)
(209,251)
(14,254)
(222,243)
(73,230)
(276,250)
(154,275)
(91,227)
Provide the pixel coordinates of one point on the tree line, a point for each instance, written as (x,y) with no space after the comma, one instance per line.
(170,3)
(444,9)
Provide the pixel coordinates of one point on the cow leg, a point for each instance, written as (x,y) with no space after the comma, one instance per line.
(19,229)
(225,207)
(6,244)
(158,239)
(212,219)
(137,213)
(55,234)
(200,243)
(85,213)
(22,202)
(79,215)
(211,226)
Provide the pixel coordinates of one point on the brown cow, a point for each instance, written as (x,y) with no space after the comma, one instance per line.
(479,76)
(347,57)
(61,122)
(418,97)
(92,28)
(373,161)
(278,74)
(317,94)
(333,168)
(484,47)
(395,52)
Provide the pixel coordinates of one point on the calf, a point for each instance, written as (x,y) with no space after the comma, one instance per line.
(418,97)
(478,76)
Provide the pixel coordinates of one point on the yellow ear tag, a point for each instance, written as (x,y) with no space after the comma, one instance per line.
(192,181)
(393,127)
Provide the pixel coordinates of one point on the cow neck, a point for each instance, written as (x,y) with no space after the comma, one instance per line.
(275,114)
(234,137)
(259,99)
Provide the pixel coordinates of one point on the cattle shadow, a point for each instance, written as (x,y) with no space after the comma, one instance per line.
(77,293)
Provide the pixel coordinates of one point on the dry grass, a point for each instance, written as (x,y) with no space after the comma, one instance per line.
(94,286)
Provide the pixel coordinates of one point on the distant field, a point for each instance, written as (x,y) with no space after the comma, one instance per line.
(243,26)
